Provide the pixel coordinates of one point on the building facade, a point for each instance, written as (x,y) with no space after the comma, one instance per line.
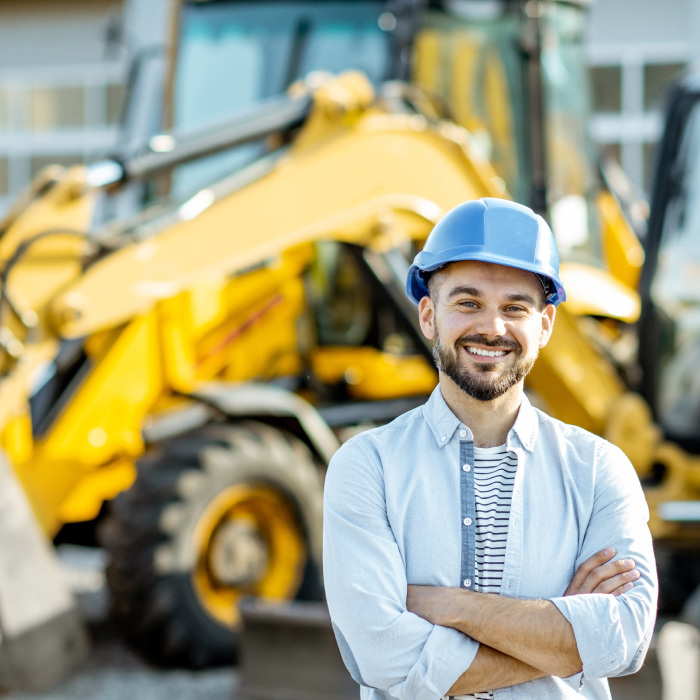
(634,48)
(62,74)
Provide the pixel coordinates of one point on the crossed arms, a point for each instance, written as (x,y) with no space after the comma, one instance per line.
(521,640)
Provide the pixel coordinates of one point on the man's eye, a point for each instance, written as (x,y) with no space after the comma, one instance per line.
(515,309)
(468,304)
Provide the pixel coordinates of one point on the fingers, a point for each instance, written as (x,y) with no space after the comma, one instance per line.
(622,589)
(598,577)
(604,573)
(611,583)
(585,570)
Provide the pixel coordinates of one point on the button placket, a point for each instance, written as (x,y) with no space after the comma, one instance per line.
(468,512)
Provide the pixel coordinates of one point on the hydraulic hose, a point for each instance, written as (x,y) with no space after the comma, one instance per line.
(167,151)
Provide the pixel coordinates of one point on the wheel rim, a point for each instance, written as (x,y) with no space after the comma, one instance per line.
(249,542)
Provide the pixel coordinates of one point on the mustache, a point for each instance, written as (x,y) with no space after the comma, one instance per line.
(502,343)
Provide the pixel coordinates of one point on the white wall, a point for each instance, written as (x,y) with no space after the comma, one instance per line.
(48,33)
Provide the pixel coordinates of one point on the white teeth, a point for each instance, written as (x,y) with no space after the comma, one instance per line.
(486,353)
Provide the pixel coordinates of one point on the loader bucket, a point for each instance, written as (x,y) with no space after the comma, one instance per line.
(42,637)
(288,652)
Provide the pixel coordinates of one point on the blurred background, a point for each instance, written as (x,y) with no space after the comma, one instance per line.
(208,223)
(65,67)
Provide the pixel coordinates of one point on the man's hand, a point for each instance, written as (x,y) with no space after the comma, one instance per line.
(600,575)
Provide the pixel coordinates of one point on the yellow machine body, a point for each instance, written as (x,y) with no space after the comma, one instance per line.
(163,316)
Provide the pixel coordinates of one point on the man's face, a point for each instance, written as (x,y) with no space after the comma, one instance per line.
(488,324)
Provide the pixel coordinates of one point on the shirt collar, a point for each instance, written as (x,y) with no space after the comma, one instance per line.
(440,418)
(443,422)
(525,426)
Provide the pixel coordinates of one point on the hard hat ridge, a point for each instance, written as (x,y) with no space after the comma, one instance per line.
(490,230)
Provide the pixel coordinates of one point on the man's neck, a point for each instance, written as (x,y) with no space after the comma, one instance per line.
(489,421)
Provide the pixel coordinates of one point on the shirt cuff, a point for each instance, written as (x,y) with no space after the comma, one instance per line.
(446,655)
(600,639)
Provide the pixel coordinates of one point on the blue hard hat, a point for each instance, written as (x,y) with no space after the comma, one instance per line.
(495,231)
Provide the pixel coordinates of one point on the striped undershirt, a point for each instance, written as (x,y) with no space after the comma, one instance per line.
(494,476)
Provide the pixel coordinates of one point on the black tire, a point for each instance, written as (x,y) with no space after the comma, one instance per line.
(150,535)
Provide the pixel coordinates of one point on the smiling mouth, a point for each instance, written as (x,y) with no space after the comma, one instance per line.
(480,352)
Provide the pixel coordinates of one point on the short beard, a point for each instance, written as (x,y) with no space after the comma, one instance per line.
(478,384)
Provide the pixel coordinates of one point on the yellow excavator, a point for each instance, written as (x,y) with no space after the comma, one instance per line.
(182,373)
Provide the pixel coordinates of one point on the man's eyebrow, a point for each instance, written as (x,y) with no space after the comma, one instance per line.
(521,297)
(471,291)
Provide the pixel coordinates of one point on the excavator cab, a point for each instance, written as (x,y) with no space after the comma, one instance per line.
(510,72)
(231,55)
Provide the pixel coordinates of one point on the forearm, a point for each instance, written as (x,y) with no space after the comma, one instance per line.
(532,631)
(491,669)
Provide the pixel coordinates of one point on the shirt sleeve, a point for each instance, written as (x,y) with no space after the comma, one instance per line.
(613,633)
(383,645)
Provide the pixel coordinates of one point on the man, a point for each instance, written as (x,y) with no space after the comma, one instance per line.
(465,542)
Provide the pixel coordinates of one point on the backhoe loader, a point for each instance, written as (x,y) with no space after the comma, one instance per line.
(195,363)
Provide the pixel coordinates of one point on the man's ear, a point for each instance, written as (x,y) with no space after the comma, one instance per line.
(426,315)
(548,316)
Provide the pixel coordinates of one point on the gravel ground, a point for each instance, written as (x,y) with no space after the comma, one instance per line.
(113,672)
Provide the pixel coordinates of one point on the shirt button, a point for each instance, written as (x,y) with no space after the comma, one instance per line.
(467,521)
(444,437)
(466,468)
(467,583)
(463,433)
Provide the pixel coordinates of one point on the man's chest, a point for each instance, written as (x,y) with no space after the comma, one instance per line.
(438,517)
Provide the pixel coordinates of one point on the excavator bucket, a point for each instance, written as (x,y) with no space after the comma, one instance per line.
(288,652)
(41,635)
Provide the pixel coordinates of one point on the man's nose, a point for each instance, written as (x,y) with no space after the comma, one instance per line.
(490,324)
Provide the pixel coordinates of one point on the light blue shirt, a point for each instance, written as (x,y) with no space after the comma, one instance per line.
(399,509)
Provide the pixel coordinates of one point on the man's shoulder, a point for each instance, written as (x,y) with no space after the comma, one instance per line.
(576,441)
(401,424)
(567,431)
